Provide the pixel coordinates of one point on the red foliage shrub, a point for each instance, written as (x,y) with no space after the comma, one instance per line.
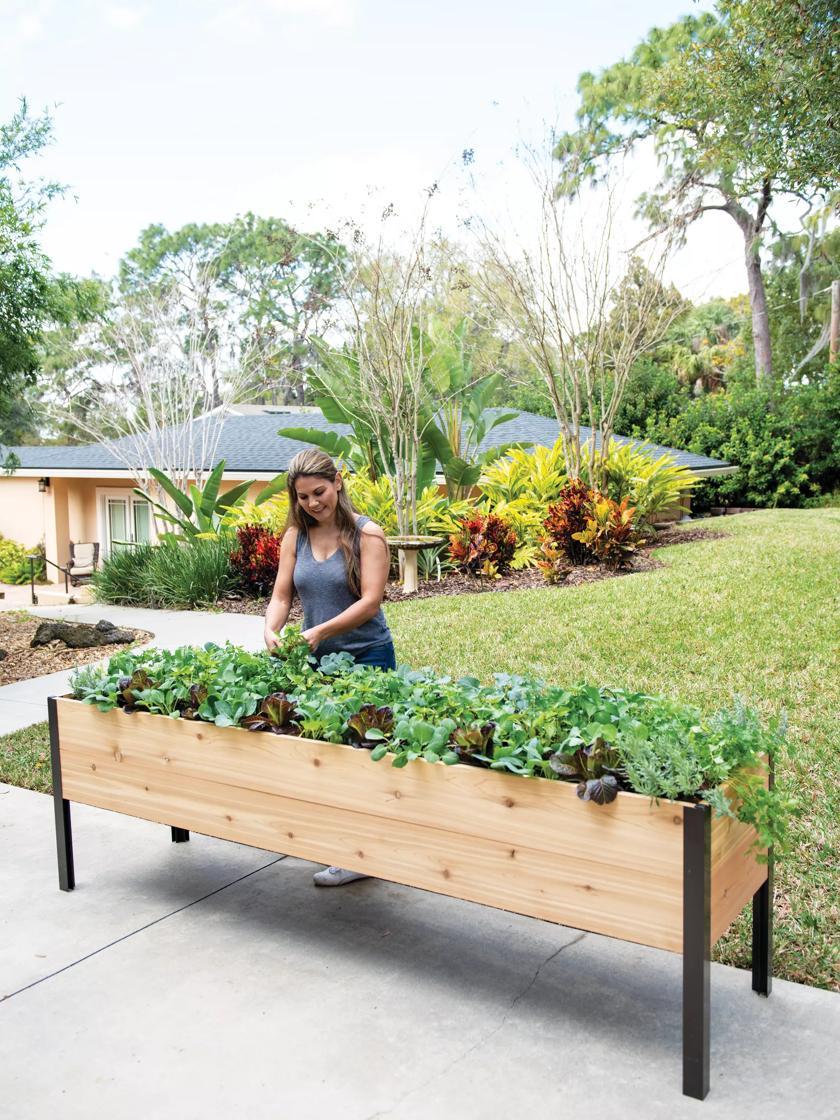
(483,545)
(610,535)
(565,518)
(585,527)
(257,558)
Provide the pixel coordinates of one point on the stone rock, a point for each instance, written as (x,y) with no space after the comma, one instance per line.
(117,637)
(3,654)
(80,635)
(104,624)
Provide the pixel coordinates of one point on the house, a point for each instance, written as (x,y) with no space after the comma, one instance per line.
(84,493)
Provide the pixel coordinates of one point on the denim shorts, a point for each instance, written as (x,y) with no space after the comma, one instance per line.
(381,656)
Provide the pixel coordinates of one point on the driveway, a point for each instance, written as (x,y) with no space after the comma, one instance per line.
(208,980)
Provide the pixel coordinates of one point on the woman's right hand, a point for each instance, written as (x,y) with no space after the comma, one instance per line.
(272,640)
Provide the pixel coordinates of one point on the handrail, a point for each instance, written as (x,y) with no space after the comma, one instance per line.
(45,560)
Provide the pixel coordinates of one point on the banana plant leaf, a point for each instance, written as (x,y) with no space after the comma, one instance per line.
(178,496)
(271,489)
(334,444)
(233,496)
(208,496)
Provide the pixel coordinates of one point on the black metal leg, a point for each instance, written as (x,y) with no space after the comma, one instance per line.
(762,920)
(63,830)
(180,835)
(762,934)
(64,843)
(697,845)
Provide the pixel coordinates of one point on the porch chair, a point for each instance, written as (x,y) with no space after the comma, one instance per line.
(84,558)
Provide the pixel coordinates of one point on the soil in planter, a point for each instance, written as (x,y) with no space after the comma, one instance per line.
(22,663)
(457,583)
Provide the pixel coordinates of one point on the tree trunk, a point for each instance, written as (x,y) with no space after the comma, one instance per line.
(751,229)
(758,307)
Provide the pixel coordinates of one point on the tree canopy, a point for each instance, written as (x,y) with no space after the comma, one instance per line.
(740,106)
(26,295)
(276,281)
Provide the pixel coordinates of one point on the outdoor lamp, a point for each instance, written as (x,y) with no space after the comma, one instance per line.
(43,485)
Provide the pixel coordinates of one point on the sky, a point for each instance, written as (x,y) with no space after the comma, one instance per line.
(197,110)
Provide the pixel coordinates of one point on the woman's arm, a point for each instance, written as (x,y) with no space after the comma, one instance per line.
(281,596)
(375,563)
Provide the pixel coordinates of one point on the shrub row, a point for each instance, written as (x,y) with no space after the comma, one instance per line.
(582,527)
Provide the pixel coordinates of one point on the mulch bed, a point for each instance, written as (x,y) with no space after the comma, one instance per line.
(456,583)
(23,662)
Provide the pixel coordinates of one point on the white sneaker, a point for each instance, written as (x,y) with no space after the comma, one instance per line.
(336,877)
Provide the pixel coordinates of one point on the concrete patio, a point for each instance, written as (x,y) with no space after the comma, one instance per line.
(209,980)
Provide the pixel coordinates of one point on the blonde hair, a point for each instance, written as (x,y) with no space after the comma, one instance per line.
(314,463)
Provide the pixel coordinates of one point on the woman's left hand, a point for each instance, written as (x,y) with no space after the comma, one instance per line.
(313,637)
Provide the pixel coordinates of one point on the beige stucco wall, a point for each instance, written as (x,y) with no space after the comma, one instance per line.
(23,511)
(65,512)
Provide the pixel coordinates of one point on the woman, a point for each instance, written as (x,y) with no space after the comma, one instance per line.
(338,562)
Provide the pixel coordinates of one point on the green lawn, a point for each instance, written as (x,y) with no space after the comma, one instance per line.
(755,614)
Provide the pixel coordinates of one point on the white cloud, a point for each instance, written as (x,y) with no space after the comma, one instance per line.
(242,21)
(251,17)
(25,23)
(332,13)
(29,27)
(123,17)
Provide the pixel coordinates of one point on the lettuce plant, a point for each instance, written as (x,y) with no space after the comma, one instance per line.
(129,688)
(473,744)
(370,725)
(596,769)
(277,713)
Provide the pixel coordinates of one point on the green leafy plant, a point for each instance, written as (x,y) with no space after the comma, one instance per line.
(199,512)
(293,650)
(605,740)
(436,514)
(174,574)
(651,485)
(463,419)
(14,562)
(271,514)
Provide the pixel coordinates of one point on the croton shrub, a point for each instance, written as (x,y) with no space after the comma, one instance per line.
(484,545)
(603,739)
(586,527)
(256,558)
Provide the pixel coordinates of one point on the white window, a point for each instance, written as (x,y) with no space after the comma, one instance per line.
(124,519)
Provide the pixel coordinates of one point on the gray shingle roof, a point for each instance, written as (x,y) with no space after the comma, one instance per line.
(250,443)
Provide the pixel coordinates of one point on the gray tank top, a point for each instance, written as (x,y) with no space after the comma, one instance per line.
(324,593)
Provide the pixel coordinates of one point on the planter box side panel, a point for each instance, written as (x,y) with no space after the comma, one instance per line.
(736,872)
(528,846)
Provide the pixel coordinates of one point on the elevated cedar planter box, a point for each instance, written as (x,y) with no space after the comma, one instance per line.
(662,874)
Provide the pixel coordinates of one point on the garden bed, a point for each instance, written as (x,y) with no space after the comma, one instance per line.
(22,662)
(459,583)
(659,873)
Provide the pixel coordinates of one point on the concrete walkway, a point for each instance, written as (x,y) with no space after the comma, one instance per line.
(25,703)
(208,980)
